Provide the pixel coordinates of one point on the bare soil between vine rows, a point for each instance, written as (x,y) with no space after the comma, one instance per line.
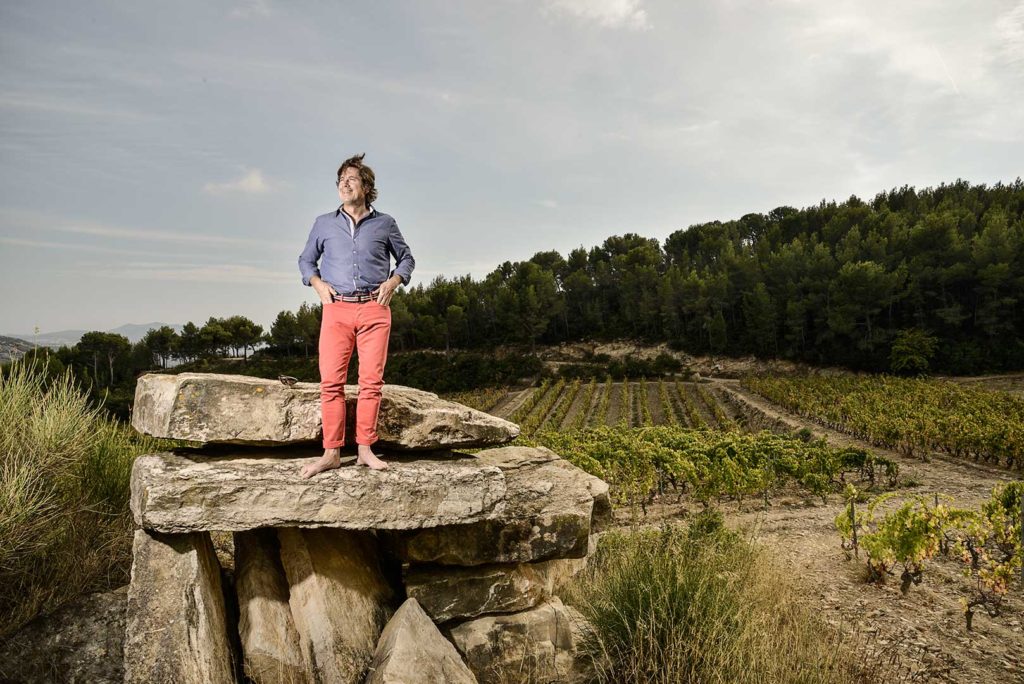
(923,632)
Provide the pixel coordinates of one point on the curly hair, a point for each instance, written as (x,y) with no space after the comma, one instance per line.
(366,175)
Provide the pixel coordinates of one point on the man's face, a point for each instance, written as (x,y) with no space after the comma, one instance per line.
(350,187)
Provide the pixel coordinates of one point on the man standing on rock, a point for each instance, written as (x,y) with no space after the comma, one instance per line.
(355,286)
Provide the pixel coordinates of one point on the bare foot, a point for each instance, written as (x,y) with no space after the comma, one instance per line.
(330,460)
(369,459)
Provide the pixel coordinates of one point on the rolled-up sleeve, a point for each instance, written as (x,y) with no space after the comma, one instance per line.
(404,261)
(311,255)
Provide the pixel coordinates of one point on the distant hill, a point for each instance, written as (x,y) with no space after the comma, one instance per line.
(134,332)
(12,348)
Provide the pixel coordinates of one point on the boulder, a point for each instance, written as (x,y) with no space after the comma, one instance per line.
(81,643)
(176,493)
(532,646)
(549,506)
(270,643)
(411,650)
(237,409)
(176,625)
(338,597)
(448,593)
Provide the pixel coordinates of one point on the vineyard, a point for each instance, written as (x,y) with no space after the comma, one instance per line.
(560,404)
(860,506)
(914,417)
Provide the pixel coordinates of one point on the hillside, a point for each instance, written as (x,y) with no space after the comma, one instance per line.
(12,348)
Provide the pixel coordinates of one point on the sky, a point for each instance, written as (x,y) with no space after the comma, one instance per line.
(165,161)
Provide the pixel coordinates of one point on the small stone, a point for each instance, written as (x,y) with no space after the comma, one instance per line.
(411,650)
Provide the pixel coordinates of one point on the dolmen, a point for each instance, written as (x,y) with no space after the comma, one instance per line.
(442,568)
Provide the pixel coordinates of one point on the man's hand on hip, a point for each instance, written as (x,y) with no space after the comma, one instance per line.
(325,290)
(387,290)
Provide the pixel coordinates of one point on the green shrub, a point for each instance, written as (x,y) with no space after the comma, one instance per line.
(65,528)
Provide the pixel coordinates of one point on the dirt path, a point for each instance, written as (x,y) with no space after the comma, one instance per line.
(507,406)
(923,631)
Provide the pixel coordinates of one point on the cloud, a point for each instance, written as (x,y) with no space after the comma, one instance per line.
(40,244)
(56,104)
(1009,36)
(213,273)
(19,220)
(607,13)
(252,183)
(251,8)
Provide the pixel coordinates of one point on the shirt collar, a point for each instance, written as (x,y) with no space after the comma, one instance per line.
(373,211)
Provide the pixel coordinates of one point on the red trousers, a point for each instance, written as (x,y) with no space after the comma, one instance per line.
(345,326)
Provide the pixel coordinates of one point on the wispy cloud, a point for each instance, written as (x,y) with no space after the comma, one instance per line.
(42,244)
(252,183)
(1009,36)
(58,104)
(13,220)
(609,13)
(251,8)
(213,273)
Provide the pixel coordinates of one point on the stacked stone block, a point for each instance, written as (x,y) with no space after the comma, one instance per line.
(444,565)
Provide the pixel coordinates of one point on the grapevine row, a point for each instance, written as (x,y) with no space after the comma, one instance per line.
(641,463)
(693,416)
(534,420)
(915,417)
(554,421)
(724,422)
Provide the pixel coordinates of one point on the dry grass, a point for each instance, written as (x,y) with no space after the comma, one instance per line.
(700,605)
(64,483)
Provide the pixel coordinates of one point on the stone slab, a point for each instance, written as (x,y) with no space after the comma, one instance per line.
(270,642)
(449,593)
(176,493)
(339,599)
(237,409)
(177,623)
(547,514)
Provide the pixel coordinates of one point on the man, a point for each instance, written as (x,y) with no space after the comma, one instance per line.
(355,287)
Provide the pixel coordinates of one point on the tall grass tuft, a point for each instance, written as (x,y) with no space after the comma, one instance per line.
(65,528)
(701,604)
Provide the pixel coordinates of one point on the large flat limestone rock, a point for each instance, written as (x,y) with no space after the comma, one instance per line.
(237,409)
(411,650)
(177,628)
(550,508)
(177,493)
(339,599)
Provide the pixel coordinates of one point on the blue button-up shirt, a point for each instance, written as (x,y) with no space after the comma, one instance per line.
(356,258)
